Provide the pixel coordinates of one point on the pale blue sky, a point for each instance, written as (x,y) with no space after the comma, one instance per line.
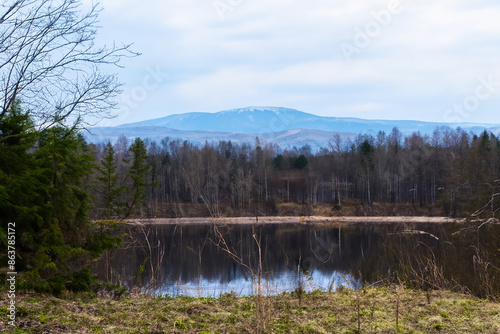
(425,60)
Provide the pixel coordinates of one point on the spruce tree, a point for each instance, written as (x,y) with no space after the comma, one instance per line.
(23,196)
(108,179)
(137,176)
(41,192)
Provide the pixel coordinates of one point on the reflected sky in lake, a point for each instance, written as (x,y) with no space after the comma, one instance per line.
(211,260)
(284,282)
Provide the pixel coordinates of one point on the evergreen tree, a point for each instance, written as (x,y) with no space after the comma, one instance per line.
(300,162)
(23,197)
(40,188)
(137,176)
(108,179)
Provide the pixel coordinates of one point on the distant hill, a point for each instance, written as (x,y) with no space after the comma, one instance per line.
(285,139)
(285,127)
(274,119)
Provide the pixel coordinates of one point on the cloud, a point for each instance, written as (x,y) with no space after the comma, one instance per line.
(430,54)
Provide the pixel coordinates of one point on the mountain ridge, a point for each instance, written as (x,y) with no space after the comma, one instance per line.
(273,119)
(287,128)
(287,139)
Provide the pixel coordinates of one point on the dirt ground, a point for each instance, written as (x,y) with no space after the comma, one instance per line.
(296,220)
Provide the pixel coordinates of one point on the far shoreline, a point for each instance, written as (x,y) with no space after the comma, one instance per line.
(305,220)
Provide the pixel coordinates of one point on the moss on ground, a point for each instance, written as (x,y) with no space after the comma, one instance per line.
(317,312)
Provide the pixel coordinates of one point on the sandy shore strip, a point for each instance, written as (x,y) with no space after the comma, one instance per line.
(294,220)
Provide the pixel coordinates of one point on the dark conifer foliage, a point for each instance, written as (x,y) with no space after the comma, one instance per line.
(136,177)
(52,82)
(108,188)
(42,193)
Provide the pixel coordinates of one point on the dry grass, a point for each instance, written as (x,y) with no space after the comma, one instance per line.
(279,208)
(319,312)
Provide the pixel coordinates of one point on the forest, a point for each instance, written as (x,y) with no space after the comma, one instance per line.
(63,193)
(450,173)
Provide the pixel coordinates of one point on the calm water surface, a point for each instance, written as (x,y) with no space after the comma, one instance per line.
(194,260)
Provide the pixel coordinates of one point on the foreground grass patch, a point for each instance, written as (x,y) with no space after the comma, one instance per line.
(368,311)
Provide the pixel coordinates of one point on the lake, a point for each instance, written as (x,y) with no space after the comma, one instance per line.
(213,259)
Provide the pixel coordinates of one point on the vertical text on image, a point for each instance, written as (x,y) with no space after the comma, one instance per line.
(11,275)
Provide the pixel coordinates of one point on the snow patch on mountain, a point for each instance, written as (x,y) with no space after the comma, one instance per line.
(285,127)
(274,119)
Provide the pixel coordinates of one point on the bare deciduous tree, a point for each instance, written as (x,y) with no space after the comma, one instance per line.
(50,62)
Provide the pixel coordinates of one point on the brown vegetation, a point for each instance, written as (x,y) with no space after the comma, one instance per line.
(372,310)
(450,173)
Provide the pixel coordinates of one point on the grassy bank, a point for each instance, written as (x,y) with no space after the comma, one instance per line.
(374,310)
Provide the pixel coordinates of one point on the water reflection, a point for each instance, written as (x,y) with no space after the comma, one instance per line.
(244,287)
(200,260)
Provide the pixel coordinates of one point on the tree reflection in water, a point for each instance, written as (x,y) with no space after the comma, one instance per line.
(186,260)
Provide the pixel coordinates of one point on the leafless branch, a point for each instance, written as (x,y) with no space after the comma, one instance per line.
(221,243)
(49,61)
(488,204)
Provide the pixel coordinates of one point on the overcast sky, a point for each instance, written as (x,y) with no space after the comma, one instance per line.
(426,60)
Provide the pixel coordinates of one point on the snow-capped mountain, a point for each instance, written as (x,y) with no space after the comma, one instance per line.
(274,119)
(288,128)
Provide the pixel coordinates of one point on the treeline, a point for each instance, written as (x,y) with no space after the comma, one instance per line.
(52,182)
(451,171)
(52,83)
(45,232)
